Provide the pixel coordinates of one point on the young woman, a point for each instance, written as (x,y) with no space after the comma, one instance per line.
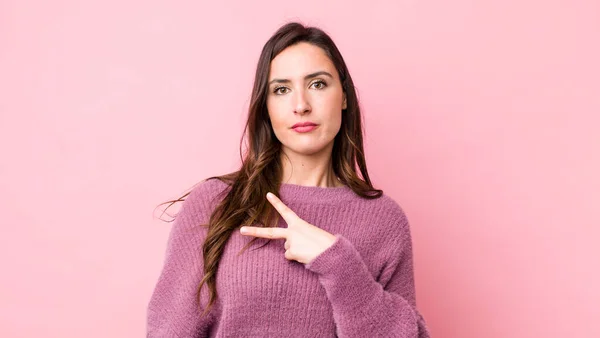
(298,242)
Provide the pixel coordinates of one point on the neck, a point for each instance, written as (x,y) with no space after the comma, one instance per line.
(308,170)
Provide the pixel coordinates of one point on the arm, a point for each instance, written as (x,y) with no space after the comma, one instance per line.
(173,310)
(362,306)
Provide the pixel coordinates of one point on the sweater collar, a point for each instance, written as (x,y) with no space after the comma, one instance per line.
(302,193)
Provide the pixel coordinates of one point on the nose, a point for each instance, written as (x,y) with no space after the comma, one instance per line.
(301,105)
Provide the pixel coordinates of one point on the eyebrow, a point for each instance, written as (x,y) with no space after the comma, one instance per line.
(309,76)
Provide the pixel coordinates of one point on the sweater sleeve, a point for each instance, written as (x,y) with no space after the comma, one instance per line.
(173,310)
(366,307)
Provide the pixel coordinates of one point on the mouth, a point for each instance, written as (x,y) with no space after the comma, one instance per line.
(304,124)
(304,128)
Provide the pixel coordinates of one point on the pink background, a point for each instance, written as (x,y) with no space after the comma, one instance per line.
(482,121)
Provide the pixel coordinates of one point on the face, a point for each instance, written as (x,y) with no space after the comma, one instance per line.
(304,87)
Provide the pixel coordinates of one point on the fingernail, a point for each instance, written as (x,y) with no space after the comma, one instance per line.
(269,195)
(243,230)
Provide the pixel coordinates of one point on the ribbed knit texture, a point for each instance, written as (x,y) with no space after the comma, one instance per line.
(362,286)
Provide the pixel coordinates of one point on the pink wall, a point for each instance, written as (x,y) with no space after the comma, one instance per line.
(481,119)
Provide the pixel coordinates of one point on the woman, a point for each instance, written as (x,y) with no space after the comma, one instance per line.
(338,262)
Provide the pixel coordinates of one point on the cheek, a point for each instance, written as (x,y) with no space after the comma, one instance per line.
(336,123)
(330,102)
(278,119)
(332,110)
(274,115)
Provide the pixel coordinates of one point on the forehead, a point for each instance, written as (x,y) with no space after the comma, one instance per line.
(298,60)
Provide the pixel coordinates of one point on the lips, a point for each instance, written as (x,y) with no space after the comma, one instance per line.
(304,124)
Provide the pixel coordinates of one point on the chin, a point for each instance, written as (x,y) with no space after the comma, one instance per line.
(306,150)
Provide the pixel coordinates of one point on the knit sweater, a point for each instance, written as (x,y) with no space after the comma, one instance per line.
(361,286)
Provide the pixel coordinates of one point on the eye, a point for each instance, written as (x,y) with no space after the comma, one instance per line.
(278,90)
(319,84)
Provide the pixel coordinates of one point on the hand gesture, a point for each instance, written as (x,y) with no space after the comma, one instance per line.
(303,241)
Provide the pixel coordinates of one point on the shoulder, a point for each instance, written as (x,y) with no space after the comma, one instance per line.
(390,216)
(208,190)
(390,210)
(203,198)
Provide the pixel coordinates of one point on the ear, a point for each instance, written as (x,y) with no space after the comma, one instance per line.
(344,103)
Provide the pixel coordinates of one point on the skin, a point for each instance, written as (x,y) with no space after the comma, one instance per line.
(303,241)
(293,98)
(303,86)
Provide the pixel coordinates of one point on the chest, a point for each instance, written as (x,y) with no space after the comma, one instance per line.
(263,277)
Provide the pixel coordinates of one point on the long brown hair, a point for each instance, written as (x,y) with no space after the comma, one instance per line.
(261,171)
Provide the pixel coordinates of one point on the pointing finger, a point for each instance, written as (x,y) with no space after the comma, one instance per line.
(285,212)
(269,232)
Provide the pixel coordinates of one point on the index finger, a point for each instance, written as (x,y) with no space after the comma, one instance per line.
(270,232)
(285,212)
